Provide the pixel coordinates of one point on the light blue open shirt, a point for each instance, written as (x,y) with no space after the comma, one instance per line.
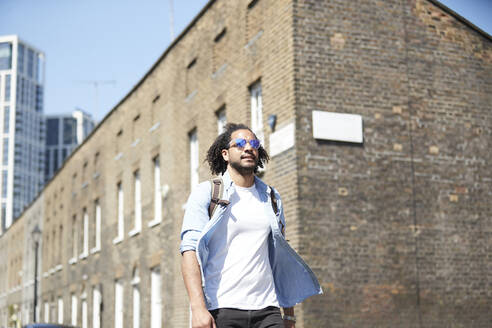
(294,280)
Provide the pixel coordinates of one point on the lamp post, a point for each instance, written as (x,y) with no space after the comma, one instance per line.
(36,233)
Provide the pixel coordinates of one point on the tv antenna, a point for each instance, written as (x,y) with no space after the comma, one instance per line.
(96,84)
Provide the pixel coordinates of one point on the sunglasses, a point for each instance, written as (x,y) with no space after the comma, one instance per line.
(241,143)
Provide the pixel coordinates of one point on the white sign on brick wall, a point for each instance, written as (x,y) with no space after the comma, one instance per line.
(337,126)
(282,139)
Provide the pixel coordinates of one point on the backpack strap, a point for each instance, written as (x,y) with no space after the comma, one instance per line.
(274,201)
(217,191)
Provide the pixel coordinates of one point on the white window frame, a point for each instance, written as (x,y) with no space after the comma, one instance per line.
(74,310)
(97,233)
(194,162)
(85,237)
(157,193)
(155,298)
(221,120)
(46,312)
(85,312)
(136,299)
(257,111)
(118,304)
(121,217)
(60,310)
(137,204)
(96,307)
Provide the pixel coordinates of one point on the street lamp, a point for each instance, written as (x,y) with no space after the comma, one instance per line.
(36,235)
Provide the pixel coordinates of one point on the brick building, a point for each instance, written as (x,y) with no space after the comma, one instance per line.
(397,227)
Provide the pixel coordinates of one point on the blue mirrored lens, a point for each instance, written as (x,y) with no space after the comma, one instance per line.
(255,143)
(240,142)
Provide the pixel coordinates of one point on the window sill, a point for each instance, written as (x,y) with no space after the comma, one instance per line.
(73,260)
(154,127)
(134,232)
(95,250)
(135,143)
(153,223)
(118,240)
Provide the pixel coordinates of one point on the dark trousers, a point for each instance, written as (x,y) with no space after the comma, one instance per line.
(233,318)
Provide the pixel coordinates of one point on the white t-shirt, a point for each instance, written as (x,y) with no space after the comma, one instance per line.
(238,273)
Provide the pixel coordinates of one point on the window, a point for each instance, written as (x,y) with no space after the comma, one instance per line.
(221,119)
(60,310)
(5,55)
(137,204)
(40,70)
(75,238)
(6,119)
(6,96)
(155,299)
(60,245)
(118,304)
(53,252)
(46,311)
(64,154)
(219,56)
(4,183)
(194,180)
(191,80)
(97,228)
(52,131)
(157,191)
(5,151)
(20,58)
(69,131)
(39,98)
(83,296)
(136,299)
(30,63)
(257,111)
(74,310)
(85,237)
(120,214)
(55,160)
(96,307)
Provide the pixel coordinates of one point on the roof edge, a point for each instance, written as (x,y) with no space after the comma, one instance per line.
(135,87)
(161,58)
(461,19)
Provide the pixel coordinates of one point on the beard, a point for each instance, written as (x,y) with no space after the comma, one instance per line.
(245,170)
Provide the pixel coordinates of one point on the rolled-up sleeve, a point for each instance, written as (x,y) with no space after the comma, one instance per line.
(195,217)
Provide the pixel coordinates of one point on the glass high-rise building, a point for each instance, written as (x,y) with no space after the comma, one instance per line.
(63,134)
(22,126)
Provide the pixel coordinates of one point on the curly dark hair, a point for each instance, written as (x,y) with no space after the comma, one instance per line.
(214,154)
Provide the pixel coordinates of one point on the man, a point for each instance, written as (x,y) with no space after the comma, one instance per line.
(236,265)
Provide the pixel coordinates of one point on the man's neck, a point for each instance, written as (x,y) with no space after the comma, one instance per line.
(241,180)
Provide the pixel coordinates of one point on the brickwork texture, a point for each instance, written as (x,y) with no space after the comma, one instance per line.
(397,229)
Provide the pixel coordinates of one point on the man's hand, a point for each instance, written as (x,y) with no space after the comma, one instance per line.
(201,318)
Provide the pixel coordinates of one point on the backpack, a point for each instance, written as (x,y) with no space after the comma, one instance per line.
(217,191)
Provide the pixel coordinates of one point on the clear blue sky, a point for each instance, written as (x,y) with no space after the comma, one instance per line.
(105,40)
